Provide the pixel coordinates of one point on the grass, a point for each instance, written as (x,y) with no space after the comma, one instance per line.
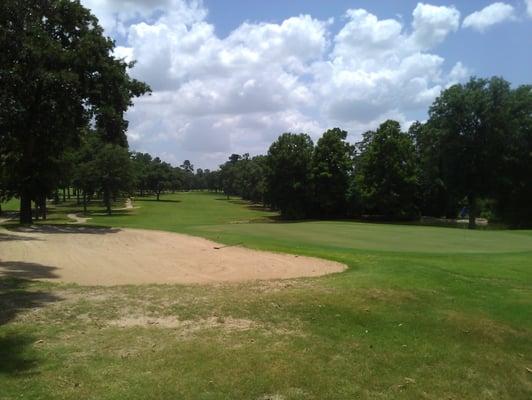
(421,313)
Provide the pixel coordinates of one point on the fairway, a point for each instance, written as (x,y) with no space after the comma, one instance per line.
(421,312)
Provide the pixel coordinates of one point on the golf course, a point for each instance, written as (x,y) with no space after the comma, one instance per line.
(414,312)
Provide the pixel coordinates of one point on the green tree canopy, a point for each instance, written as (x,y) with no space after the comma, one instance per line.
(385,172)
(58,74)
(471,122)
(332,164)
(289,166)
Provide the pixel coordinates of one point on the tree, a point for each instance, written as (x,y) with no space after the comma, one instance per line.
(385,172)
(514,188)
(85,177)
(229,176)
(436,199)
(471,122)
(159,176)
(141,164)
(289,164)
(188,176)
(332,164)
(58,74)
(113,172)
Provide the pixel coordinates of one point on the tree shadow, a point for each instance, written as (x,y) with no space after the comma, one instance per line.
(6,237)
(158,201)
(9,215)
(11,271)
(16,296)
(63,228)
(13,353)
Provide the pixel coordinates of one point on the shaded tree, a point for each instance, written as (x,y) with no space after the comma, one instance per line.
(385,172)
(470,122)
(289,165)
(332,164)
(58,73)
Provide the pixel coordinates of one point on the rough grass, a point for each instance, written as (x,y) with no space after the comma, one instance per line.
(422,313)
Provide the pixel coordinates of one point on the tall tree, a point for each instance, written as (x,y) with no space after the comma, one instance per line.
(58,73)
(332,164)
(436,198)
(471,122)
(289,166)
(514,184)
(385,172)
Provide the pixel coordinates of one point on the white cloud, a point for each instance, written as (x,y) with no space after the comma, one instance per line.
(377,68)
(458,74)
(493,14)
(432,24)
(116,15)
(528,4)
(214,96)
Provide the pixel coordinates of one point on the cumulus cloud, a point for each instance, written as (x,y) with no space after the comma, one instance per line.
(377,67)
(432,24)
(528,4)
(493,14)
(214,96)
(116,15)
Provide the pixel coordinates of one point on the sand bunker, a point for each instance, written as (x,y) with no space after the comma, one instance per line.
(92,256)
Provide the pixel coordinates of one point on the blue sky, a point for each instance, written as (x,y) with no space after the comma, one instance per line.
(230,76)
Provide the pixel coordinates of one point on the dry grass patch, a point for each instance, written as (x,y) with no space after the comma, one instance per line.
(483,328)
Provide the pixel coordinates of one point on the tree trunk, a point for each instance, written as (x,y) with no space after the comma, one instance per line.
(158,193)
(77,197)
(0,208)
(43,207)
(36,209)
(472,203)
(84,202)
(56,197)
(64,195)
(107,200)
(25,208)
(68,193)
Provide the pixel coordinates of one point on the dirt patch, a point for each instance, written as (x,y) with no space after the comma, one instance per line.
(188,326)
(130,256)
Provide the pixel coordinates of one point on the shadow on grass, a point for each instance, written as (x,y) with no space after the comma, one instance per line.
(157,201)
(63,228)
(247,204)
(14,354)
(16,296)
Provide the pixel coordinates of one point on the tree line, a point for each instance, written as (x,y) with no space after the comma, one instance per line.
(63,97)
(473,155)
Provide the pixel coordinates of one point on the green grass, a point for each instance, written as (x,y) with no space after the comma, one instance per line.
(421,313)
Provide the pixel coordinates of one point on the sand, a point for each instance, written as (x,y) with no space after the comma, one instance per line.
(92,256)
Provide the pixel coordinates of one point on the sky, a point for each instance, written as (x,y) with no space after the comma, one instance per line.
(230,76)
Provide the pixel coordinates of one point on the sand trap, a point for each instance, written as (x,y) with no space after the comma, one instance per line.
(91,256)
